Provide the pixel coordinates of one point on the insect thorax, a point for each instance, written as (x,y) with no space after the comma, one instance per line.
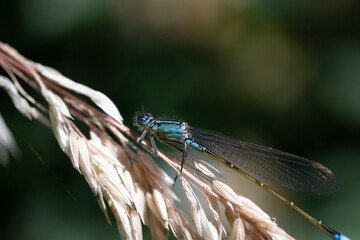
(171,130)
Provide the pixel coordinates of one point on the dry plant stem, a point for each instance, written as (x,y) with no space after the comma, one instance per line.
(135,189)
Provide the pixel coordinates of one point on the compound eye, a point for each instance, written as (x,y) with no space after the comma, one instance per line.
(140,120)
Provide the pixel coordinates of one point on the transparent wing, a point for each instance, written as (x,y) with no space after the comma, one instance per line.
(267,164)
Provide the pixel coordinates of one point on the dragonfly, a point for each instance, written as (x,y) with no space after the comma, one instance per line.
(257,163)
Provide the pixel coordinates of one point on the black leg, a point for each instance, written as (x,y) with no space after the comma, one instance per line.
(154,146)
(142,136)
(175,180)
(183,160)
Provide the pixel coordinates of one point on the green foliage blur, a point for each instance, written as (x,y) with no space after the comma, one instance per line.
(279,73)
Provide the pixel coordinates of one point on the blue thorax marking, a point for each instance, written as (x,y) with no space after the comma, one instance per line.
(176,131)
(171,130)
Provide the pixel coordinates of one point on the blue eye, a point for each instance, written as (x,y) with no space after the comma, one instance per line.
(143,119)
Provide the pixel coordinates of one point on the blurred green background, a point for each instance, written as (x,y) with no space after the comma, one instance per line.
(279,73)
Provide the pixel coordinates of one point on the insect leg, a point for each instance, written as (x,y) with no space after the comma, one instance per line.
(153,145)
(142,135)
(183,159)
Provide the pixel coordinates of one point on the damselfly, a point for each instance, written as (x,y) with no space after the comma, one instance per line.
(257,163)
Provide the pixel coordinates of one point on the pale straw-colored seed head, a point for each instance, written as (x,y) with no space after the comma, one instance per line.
(123,177)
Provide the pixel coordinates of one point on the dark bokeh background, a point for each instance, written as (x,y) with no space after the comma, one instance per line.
(280,73)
